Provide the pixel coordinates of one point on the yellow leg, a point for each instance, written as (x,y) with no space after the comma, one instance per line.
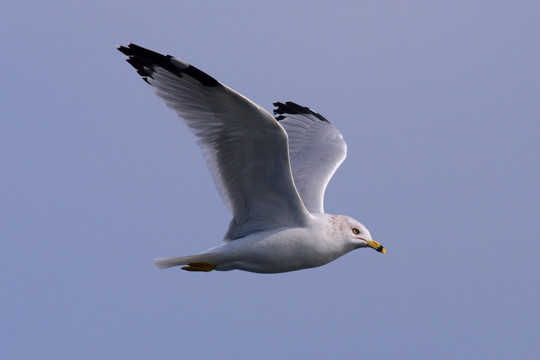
(199,267)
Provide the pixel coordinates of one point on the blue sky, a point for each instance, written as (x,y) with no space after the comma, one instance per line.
(439,104)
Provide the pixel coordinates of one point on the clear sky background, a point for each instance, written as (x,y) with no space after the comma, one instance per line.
(439,102)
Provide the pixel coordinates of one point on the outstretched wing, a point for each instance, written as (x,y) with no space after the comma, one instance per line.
(244,146)
(316,150)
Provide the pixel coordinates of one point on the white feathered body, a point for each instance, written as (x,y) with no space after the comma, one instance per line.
(275,251)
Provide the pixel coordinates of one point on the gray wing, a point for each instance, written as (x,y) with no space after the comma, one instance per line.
(244,146)
(316,150)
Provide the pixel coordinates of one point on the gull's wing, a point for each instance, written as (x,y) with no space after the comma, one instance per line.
(316,150)
(244,146)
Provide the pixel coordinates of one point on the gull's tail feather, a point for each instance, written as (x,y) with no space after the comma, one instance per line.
(167,262)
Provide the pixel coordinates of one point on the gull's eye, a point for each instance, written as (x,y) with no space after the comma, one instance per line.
(355,231)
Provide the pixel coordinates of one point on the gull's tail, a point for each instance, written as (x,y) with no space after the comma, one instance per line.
(167,262)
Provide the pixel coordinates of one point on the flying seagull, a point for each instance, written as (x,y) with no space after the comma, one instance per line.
(271,172)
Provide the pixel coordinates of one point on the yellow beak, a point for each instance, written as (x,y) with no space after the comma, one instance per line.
(375,245)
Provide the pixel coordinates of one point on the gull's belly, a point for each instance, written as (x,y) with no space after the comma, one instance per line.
(278,251)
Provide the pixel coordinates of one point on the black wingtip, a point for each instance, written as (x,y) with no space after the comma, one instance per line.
(289,107)
(144,60)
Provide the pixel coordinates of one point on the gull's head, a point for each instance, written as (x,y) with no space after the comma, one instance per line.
(358,235)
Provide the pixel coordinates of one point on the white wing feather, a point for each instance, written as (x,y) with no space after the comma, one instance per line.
(316,150)
(244,146)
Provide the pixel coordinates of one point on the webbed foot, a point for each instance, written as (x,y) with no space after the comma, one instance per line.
(199,267)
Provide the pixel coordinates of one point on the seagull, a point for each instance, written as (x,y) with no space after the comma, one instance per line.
(271,172)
